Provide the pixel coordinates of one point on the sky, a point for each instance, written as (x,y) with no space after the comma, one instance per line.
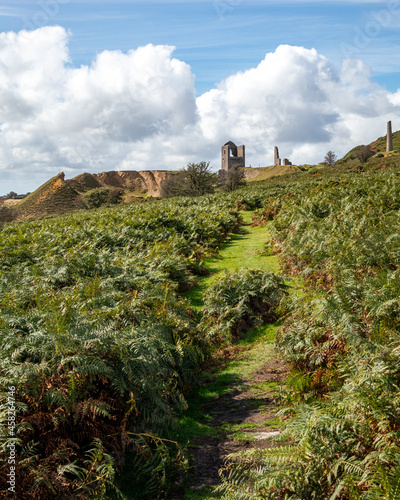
(92,86)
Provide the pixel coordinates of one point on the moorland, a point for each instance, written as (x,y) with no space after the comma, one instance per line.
(236,345)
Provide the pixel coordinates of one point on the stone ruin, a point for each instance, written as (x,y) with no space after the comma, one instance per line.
(232,156)
(277,161)
(389,138)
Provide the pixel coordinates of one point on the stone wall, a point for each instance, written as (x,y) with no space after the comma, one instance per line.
(232,156)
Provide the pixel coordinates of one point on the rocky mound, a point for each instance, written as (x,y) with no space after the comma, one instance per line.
(58,195)
(148,181)
(54,197)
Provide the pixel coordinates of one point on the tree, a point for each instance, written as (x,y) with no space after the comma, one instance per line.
(232,179)
(330,158)
(199,179)
(364,153)
(194,180)
(173,186)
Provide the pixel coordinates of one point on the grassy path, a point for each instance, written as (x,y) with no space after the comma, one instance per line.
(234,408)
(249,248)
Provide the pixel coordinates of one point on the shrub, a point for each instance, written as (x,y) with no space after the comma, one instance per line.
(240,300)
(231,180)
(194,180)
(95,198)
(364,153)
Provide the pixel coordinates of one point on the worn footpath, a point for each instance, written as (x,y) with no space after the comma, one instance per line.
(235,407)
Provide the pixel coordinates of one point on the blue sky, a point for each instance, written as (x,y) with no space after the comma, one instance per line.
(220,45)
(220,37)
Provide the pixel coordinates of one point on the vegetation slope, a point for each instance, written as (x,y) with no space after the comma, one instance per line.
(103,348)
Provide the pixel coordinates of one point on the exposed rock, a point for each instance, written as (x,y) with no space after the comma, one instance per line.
(58,195)
(149,181)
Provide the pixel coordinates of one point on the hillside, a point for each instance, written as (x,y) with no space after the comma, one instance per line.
(58,195)
(120,354)
(86,190)
(379,156)
(265,173)
(55,196)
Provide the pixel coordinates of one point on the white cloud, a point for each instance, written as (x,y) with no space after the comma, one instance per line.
(297,100)
(138,110)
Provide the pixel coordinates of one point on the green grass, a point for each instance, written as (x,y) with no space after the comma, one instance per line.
(253,360)
(195,423)
(263,333)
(245,249)
(265,386)
(244,437)
(249,248)
(274,423)
(240,427)
(238,431)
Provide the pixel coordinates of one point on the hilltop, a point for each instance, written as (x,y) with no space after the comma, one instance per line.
(374,153)
(264,173)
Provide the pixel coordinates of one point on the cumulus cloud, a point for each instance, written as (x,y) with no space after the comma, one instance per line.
(283,99)
(69,118)
(138,110)
(297,100)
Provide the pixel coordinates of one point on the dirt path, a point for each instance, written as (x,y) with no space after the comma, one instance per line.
(235,409)
(243,418)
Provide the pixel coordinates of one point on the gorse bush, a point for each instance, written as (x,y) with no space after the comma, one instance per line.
(99,345)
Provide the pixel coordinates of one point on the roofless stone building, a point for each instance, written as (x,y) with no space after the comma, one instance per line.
(278,161)
(232,156)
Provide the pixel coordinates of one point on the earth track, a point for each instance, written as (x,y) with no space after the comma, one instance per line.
(242,415)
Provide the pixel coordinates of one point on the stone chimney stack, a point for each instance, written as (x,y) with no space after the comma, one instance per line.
(389,137)
(277,160)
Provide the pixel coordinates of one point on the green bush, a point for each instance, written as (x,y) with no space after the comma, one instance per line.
(240,300)
(98,197)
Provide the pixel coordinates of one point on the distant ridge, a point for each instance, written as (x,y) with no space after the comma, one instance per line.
(57,195)
(264,173)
